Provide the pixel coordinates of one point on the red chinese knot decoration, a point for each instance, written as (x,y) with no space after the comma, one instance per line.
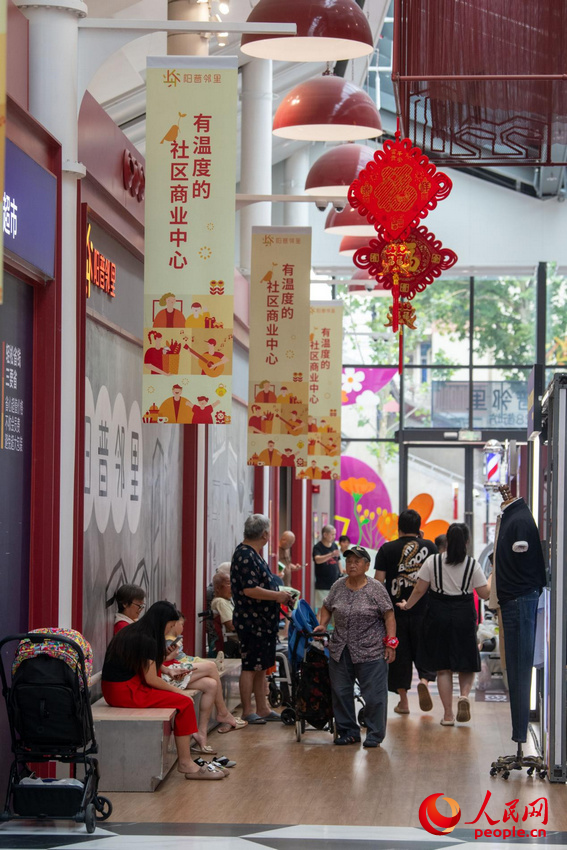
(426,259)
(398,188)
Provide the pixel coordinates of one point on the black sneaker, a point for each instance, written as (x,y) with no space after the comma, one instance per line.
(344,740)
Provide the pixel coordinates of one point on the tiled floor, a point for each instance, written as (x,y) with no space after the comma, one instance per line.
(147,836)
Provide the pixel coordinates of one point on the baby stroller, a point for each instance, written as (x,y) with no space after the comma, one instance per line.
(280,682)
(50,719)
(311,685)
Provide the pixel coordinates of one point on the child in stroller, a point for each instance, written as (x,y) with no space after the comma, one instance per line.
(50,719)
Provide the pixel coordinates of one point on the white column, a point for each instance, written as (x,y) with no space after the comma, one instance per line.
(186,44)
(53,40)
(296,169)
(256,150)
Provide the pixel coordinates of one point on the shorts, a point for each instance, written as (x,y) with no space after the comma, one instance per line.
(257,652)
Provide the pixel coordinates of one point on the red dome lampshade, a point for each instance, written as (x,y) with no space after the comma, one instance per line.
(362,284)
(349,222)
(326,30)
(325,109)
(335,170)
(350,244)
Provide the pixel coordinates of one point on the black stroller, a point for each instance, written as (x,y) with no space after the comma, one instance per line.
(50,719)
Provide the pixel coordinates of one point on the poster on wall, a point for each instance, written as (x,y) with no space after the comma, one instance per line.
(324,415)
(189,245)
(279,346)
(3,27)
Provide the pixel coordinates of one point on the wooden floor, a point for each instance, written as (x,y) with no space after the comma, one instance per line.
(280,781)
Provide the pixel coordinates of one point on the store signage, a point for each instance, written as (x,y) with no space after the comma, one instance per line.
(29,211)
(133,176)
(100,271)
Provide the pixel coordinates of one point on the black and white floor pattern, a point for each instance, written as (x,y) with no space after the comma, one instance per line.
(166,836)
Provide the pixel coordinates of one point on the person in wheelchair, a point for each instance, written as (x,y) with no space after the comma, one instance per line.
(222,607)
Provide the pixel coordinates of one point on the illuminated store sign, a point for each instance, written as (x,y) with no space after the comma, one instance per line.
(29,211)
(100,270)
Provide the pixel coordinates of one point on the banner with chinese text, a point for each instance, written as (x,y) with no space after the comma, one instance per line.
(279,346)
(325,369)
(189,259)
(3,60)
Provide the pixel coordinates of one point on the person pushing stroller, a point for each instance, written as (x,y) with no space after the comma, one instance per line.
(361,646)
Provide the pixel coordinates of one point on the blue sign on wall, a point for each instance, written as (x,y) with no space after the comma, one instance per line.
(29,211)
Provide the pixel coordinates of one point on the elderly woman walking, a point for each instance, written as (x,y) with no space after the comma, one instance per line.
(361,647)
(257,601)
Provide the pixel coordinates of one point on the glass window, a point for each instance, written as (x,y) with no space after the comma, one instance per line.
(442,401)
(500,398)
(556,342)
(504,321)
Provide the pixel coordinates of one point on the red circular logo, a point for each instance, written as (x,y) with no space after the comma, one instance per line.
(433,821)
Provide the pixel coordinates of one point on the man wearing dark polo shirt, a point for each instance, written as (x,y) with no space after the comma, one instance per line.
(326,558)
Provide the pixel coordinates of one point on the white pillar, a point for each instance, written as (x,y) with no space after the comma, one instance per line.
(53,41)
(296,169)
(256,148)
(187,44)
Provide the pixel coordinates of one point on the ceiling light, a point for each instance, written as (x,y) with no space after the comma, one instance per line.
(333,172)
(224,8)
(350,244)
(326,30)
(327,108)
(348,223)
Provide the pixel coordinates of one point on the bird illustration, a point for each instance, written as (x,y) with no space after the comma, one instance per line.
(269,275)
(173,131)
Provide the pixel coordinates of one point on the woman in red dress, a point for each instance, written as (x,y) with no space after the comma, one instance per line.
(130,679)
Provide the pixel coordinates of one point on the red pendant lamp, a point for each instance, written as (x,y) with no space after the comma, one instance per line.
(326,30)
(362,284)
(350,244)
(327,108)
(335,170)
(348,223)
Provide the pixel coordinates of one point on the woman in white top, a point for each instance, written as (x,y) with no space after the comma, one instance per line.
(449,627)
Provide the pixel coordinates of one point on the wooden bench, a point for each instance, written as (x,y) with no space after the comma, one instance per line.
(136,746)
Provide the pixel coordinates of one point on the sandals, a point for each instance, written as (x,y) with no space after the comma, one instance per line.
(344,740)
(254,719)
(399,710)
(205,751)
(228,727)
(206,772)
(425,701)
(463,710)
(447,722)
(219,661)
(215,764)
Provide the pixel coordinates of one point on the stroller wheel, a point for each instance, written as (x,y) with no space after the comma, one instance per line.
(90,818)
(103,808)
(288,716)
(275,696)
(298,730)
(361,720)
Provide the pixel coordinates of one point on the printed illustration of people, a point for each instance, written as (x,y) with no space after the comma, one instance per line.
(270,456)
(183,411)
(288,458)
(170,316)
(199,317)
(177,408)
(154,356)
(294,425)
(266,393)
(212,361)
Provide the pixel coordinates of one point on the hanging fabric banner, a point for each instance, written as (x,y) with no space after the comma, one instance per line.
(325,372)
(3,60)
(279,346)
(189,262)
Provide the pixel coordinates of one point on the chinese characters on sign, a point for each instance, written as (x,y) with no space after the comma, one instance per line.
(9,216)
(279,346)
(100,271)
(12,414)
(325,367)
(113,461)
(3,28)
(496,404)
(189,266)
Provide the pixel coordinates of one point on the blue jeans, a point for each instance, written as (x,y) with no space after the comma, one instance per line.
(373,680)
(519,621)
